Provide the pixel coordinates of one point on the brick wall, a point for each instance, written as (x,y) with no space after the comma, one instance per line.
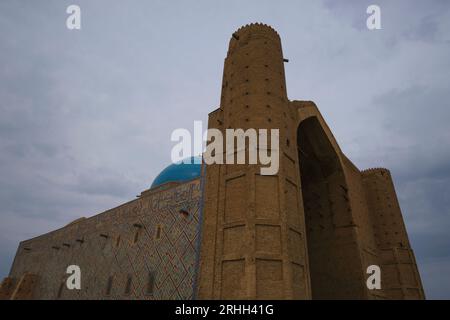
(144,249)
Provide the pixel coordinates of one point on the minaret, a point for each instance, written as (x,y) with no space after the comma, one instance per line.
(253,235)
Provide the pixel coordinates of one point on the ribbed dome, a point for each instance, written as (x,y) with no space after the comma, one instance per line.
(179,172)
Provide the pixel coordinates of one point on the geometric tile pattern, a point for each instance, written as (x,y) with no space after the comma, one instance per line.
(144,249)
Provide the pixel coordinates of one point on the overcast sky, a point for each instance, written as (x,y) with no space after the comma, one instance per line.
(86,116)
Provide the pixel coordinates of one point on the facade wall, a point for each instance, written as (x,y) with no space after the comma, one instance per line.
(363,223)
(293,235)
(144,249)
(253,243)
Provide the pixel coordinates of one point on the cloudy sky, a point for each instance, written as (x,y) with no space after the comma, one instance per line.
(86,116)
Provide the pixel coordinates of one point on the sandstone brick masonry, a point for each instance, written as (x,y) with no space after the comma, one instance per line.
(310,231)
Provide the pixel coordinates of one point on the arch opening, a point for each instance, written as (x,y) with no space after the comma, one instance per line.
(327,213)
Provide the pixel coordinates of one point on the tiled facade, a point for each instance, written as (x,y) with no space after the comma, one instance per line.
(144,249)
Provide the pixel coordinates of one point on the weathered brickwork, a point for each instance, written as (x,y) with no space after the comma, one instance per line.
(309,231)
(396,257)
(144,249)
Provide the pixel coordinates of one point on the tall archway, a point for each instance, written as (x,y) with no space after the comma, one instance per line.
(332,256)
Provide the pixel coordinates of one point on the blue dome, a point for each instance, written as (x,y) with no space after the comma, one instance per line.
(185,170)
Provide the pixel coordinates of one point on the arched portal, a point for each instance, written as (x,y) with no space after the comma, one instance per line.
(333,261)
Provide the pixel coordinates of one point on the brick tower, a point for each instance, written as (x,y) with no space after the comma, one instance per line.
(253,237)
(308,231)
(396,256)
